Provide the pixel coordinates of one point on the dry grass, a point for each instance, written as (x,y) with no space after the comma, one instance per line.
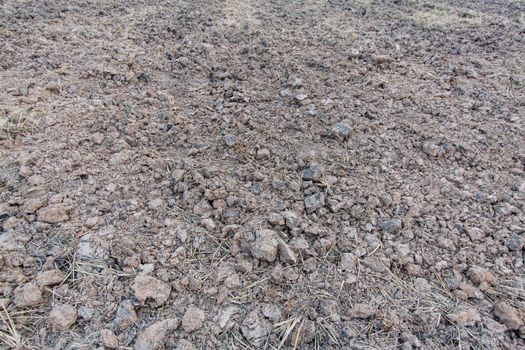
(15,122)
(9,334)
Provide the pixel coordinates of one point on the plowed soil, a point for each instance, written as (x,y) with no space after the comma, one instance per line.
(262,174)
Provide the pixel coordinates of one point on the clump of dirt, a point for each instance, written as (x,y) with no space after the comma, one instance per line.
(262,174)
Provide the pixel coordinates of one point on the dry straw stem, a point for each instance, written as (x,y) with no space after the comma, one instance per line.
(9,334)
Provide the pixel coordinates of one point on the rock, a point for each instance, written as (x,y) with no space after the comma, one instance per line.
(467,317)
(470,291)
(295,82)
(391,226)
(36,180)
(27,295)
(265,245)
(93,221)
(432,149)
(230,140)
(85,312)
(203,208)
(157,204)
(108,339)
(271,312)
(147,287)
(50,278)
(223,318)
(263,154)
(233,281)
(125,315)
(153,337)
(193,319)
(474,233)
(362,311)
(341,131)
(53,86)
(348,262)
(446,243)
(480,275)
(33,204)
(422,285)
(292,219)
(209,224)
(302,99)
(184,344)
(256,329)
(63,317)
(286,254)
(313,173)
(97,138)
(514,242)
(314,202)
(53,214)
(276,219)
(508,315)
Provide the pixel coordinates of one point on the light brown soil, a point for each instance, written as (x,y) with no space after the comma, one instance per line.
(262,174)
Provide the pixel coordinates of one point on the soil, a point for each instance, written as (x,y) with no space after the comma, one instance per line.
(262,174)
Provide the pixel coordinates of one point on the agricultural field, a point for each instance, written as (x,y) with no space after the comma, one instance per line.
(262,174)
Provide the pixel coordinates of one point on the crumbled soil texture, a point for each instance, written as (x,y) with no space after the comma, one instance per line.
(249,174)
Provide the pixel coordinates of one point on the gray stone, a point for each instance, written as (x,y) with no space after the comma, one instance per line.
(230,140)
(391,226)
(314,202)
(153,337)
(313,173)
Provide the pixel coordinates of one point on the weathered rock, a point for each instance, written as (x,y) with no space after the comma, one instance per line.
(515,242)
(422,285)
(230,140)
(276,219)
(286,254)
(292,219)
(53,214)
(125,315)
(480,275)
(313,173)
(271,312)
(508,315)
(50,278)
(474,233)
(184,344)
(256,329)
(27,295)
(314,202)
(209,224)
(108,339)
(341,131)
(33,204)
(263,154)
(362,311)
(203,208)
(193,319)
(223,319)
(157,204)
(295,82)
(467,317)
(432,149)
(153,337)
(147,287)
(53,86)
(348,262)
(265,245)
(391,226)
(233,281)
(62,317)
